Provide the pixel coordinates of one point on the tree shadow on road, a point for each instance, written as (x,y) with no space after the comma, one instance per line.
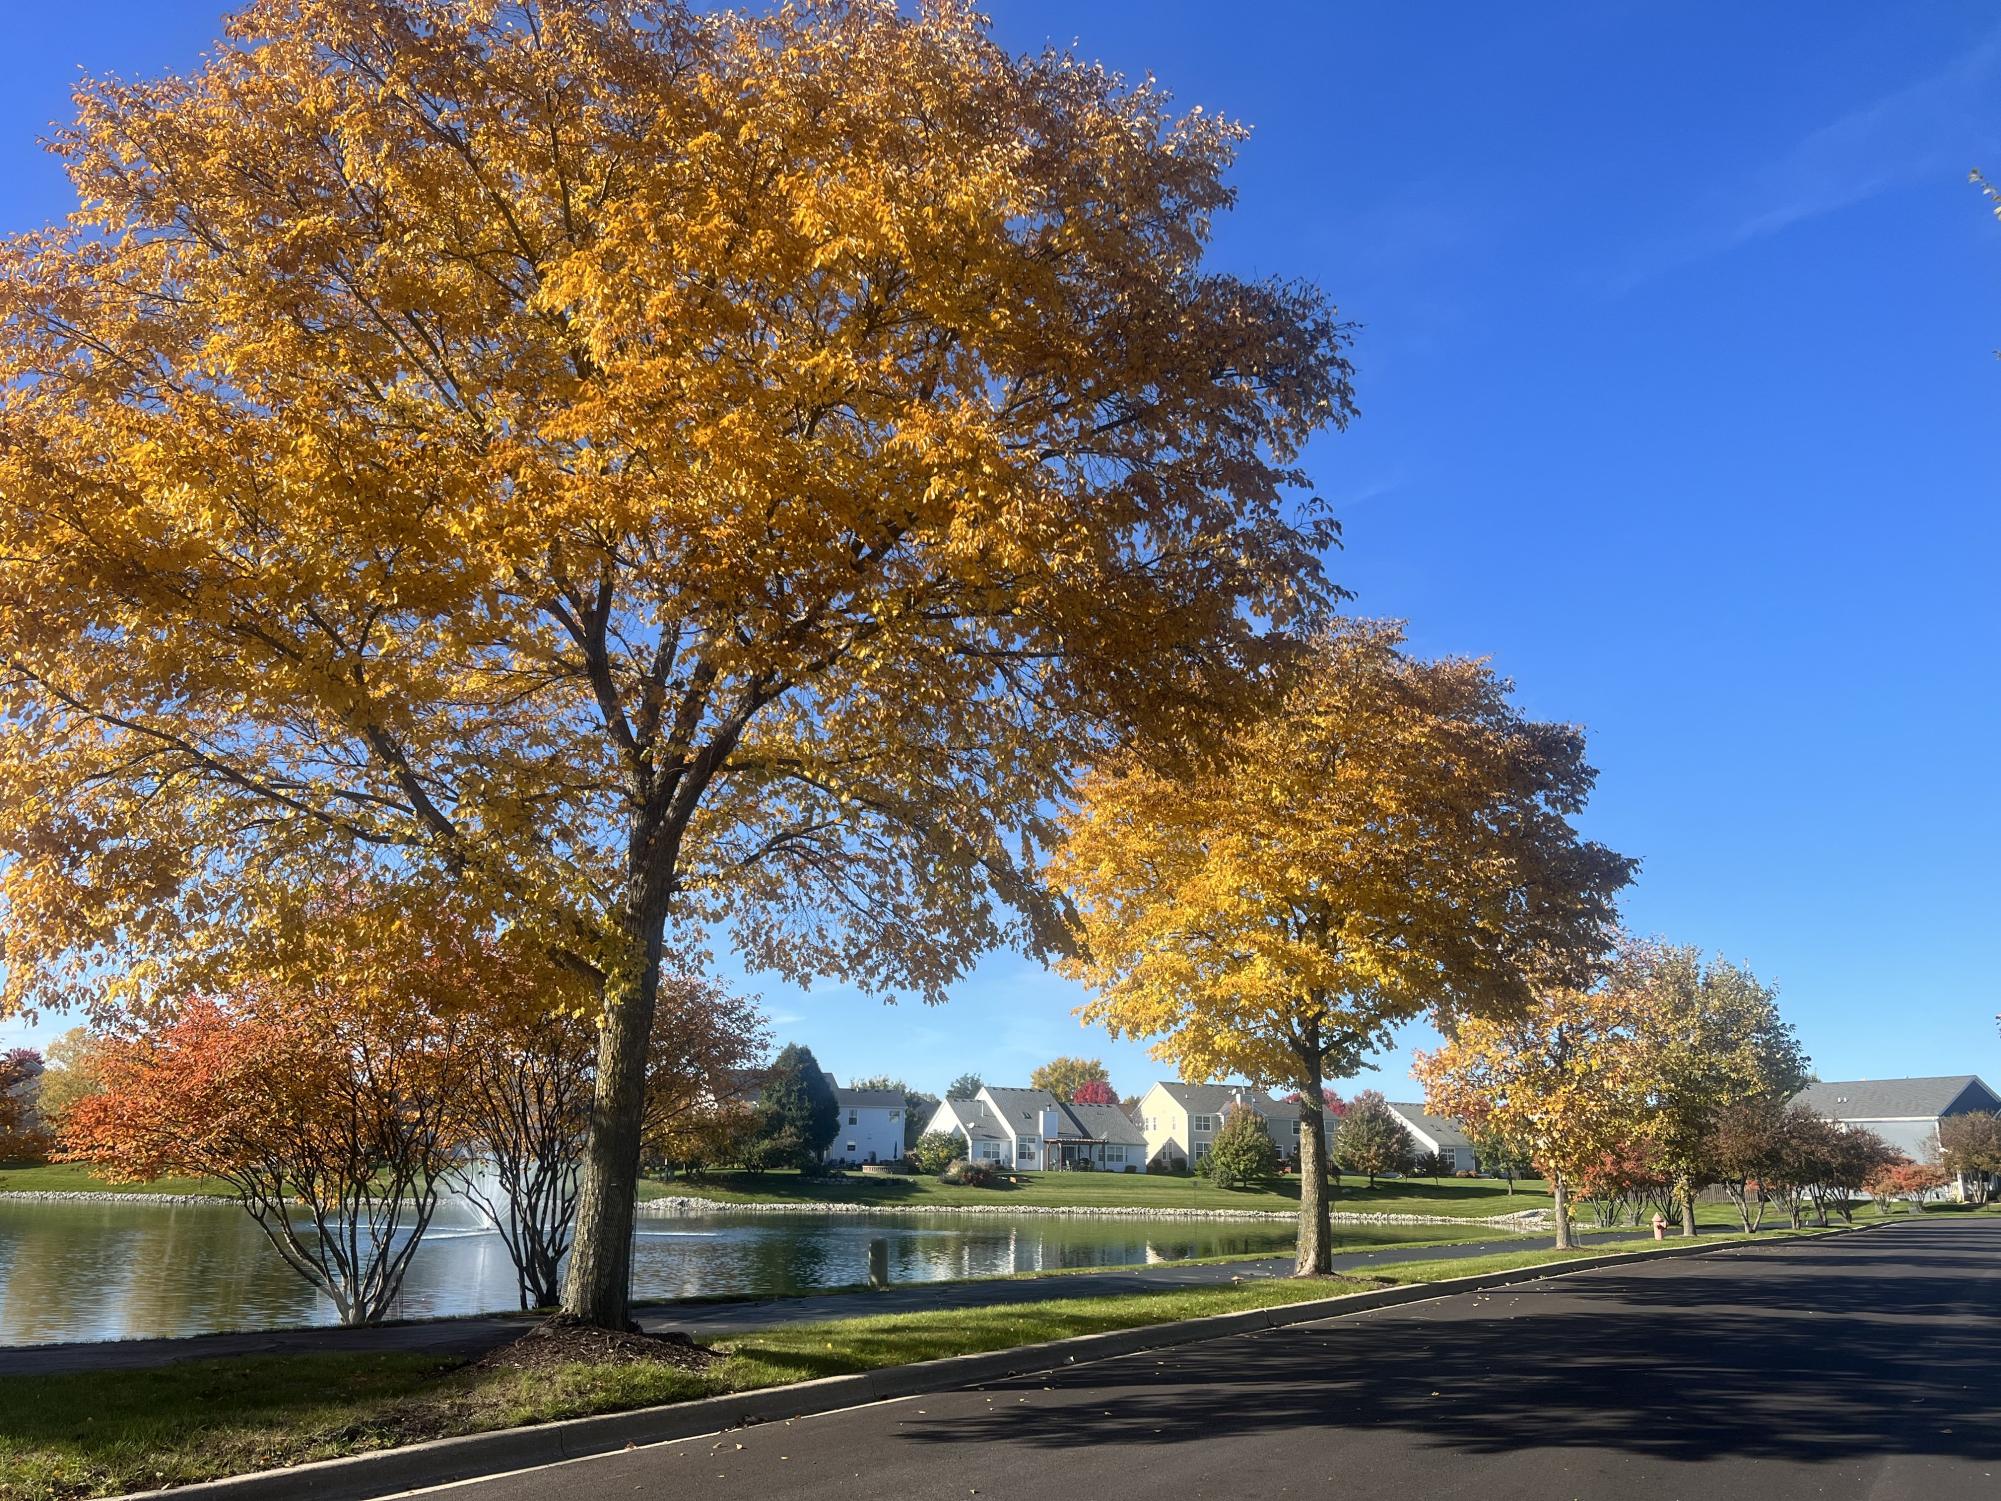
(1802,1357)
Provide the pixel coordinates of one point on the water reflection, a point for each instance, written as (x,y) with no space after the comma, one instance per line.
(121,1271)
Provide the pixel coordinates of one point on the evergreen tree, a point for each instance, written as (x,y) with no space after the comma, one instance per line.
(1242,1152)
(796,1113)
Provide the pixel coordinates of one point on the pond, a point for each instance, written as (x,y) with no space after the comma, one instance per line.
(102,1270)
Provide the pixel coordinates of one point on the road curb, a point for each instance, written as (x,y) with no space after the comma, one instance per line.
(390,1472)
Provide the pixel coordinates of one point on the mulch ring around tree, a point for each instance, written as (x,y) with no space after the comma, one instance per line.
(563,1340)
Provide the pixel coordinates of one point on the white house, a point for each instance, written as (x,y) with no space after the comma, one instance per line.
(1179,1121)
(1439,1134)
(870,1126)
(1030,1129)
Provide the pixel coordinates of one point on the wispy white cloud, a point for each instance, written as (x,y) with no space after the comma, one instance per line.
(1926,129)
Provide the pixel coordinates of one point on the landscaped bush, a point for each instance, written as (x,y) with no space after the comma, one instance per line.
(935,1151)
(964,1174)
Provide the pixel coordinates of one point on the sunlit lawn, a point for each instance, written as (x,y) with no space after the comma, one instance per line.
(77,1177)
(1474,1197)
(101,1433)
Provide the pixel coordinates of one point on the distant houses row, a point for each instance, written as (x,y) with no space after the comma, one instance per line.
(1173,1124)
(1031,1130)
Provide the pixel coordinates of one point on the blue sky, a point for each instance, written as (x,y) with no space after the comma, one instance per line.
(1679,389)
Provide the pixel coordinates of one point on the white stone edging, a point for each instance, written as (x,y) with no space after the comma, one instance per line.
(684,1206)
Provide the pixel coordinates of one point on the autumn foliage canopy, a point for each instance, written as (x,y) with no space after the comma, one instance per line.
(633,465)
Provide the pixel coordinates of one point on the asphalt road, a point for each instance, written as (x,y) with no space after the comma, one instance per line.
(472,1337)
(1865,1366)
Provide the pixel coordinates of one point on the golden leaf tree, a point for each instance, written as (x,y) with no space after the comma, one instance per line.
(1556,1077)
(1390,836)
(1707,1035)
(651,472)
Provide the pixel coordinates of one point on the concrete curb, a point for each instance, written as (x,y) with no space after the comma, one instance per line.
(391,1472)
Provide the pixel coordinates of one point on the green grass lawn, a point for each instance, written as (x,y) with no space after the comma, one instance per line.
(1471,1198)
(76,1177)
(100,1433)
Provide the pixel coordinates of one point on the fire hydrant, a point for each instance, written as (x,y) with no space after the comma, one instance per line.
(1660,1226)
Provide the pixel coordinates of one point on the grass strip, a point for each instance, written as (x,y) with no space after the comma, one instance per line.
(76,1177)
(104,1432)
(1456,1197)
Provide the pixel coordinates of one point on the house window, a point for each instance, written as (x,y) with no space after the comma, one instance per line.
(851,1149)
(990,1151)
(1026,1147)
(896,1115)
(1115,1154)
(1200,1124)
(853,1119)
(1201,1150)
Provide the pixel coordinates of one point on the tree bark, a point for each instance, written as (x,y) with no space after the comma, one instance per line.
(1688,1206)
(1559,1195)
(599,1285)
(1316,1231)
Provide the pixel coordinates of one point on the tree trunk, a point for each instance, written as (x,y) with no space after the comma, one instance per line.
(1559,1197)
(1688,1206)
(598,1289)
(1742,1195)
(1316,1230)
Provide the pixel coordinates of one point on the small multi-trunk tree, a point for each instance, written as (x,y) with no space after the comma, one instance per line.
(1743,1155)
(1901,1178)
(638,466)
(335,1099)
(1385,836)
(1618,1184)
(1970,1148)
(527,1087)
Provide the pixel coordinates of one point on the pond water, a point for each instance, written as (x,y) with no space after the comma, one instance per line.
(99,1270)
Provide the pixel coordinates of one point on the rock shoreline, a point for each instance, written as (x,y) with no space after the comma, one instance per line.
(680,1206)
(106,1196)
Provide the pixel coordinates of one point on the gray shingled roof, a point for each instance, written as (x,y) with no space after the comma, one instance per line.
(869,1099)
(1441,1129)
(979,1121)
(1023,1107)
(1897,1099)
(1105,1123)
(1214,1099)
